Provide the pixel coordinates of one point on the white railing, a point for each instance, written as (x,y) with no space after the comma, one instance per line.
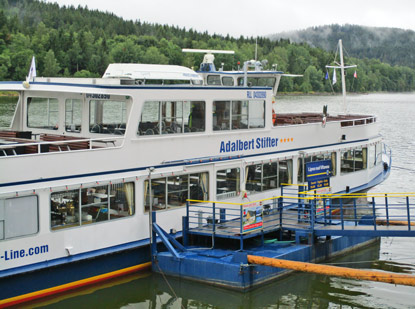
(18,146)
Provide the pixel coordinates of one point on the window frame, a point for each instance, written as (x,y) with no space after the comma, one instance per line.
(85,198)
(236,115)
(32,99)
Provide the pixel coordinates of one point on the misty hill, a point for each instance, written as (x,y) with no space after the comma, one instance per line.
(391,45)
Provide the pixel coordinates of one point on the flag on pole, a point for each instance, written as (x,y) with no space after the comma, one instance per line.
(327,75)
(32,71)
(334,76)
(355,74)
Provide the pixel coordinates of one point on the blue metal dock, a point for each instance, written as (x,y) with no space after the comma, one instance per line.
(217,237)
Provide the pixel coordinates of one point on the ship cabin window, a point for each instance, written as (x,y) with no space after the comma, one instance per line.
(227,81)
(172,117)
(227,183)
(353,160)
(236,115)
(73,115)
(19,217)
(258,81)
(43,113)
(315,158)
(88,205)
(214,80)
(10,100)
(107,117)
(268,176)
(174,191)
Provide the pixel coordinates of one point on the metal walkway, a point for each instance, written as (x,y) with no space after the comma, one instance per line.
(305,214)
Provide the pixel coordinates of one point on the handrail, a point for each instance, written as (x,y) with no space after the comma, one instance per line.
(308,213)
(19,142)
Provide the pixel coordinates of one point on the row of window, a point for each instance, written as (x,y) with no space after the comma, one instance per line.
(93,204)
(157,118)
(352,160)
(217,80)
(172,117)
(105,116)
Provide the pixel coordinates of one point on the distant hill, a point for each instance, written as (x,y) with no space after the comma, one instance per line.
(391,45)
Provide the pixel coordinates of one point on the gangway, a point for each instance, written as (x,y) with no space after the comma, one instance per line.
(305,214)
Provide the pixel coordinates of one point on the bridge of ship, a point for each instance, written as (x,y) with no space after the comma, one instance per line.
(306,214)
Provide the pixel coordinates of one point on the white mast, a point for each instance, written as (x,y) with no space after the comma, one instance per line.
(343,77)
(342,67)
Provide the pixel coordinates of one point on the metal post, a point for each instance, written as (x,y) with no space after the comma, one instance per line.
(241,229)
(150,216)
(324,210)
(185,227)
(355,211)
(387,209)
(222,215)
(408,212)
(301,205)
(341,213)
(312,208)
(153,244)
(374,213)
(213,224)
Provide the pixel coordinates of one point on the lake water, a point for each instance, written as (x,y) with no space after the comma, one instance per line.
(396,113)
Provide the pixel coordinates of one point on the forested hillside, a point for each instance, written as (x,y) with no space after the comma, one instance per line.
(391,45)
(69,41)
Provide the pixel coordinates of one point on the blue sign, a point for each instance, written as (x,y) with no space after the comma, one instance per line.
(318,170)
(318,174)
(320,183)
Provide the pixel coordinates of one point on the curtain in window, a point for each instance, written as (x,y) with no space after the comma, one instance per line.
(333,163)
(204,185)
(290,171)
(129,195)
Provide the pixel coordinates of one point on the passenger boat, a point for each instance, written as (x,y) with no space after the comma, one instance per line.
(85,160)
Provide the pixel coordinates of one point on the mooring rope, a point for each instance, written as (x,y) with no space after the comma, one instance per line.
(167,282)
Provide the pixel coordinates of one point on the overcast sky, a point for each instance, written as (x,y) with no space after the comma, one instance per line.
(258,17)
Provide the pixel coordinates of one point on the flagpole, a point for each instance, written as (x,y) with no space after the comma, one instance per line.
(343,77)
(342,67)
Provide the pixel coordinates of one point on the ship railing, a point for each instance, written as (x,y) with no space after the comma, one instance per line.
(19,146)
(383,214)
(379,214)
(350,122)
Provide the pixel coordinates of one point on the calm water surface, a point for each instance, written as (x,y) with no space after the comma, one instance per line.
(396,113)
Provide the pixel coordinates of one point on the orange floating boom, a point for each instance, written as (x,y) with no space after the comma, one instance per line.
(393,222)
(335,270)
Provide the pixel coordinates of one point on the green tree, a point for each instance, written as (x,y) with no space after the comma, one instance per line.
(51,65)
